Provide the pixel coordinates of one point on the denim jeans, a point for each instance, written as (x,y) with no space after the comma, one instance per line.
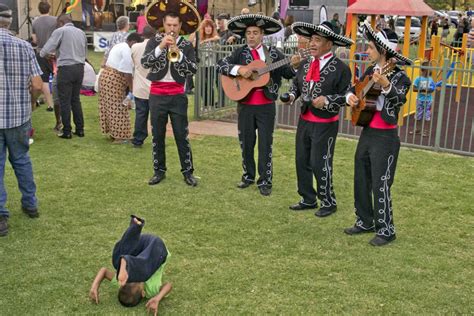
(141,121)
(16,141)
(87,10)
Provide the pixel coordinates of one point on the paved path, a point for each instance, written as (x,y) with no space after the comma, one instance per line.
(208,127)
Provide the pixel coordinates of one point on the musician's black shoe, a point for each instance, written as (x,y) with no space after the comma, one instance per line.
(157,178)
(302,207)
(265,190)
(355,230)
(382,241)
(244,184)
(323,212)
(190,180)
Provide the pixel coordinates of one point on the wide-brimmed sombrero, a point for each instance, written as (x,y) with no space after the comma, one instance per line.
(324,29)
(240,23)
(385,39)
(188,14)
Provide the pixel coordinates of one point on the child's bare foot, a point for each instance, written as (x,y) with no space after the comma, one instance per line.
(137,221)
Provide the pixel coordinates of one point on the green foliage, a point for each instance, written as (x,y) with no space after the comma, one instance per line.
(234,251)
(439,4)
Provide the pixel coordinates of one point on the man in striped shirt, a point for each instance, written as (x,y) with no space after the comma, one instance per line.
(20,75)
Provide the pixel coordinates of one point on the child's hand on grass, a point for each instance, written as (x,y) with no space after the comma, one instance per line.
(152,306)
(94,294)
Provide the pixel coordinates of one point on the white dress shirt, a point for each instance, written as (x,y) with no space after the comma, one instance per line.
(168,77)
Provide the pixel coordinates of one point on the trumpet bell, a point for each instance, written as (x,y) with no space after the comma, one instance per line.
(173,56)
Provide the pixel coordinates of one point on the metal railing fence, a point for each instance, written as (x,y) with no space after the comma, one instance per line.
(450,127)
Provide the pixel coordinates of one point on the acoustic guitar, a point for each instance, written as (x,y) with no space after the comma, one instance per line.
(237,88)
(368,92)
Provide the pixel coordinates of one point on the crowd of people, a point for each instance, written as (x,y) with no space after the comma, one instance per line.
(151,70)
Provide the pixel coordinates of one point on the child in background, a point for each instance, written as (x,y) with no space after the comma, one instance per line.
(425,86)
(141,20)
(54,92)
(88,81)
(139,260)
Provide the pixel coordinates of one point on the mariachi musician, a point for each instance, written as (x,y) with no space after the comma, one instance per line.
(379,144)
(257,110)
(319,88)
(170,59)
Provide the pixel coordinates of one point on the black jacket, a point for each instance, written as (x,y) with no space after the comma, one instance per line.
(243,56)
(159,65)
(335,82)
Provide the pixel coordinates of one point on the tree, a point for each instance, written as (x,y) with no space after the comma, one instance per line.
(440,4)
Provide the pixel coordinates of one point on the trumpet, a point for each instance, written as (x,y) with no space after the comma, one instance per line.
(173,50)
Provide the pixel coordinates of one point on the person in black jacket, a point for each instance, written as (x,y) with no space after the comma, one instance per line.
(319,88)
(379,144)
(257,110)
(167,97)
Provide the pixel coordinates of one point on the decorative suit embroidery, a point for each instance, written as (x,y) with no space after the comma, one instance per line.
(394,102)
(386,201)
(327,201)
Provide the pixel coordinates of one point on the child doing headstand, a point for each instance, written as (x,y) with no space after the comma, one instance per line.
(139,260)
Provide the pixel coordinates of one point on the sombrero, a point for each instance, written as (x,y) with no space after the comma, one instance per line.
(324,29)
(385,39)
(240,23)
(188,14)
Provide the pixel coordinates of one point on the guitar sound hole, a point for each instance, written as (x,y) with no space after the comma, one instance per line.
(254,75)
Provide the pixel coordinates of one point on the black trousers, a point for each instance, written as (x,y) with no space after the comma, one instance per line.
(69,80)
(176,107)
(143,253)
(142,108)
(375,164)
(315,144)
(262,119)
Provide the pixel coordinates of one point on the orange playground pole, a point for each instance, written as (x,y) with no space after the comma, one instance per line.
(462,56)
(422,39)
(406,39)
(353,26)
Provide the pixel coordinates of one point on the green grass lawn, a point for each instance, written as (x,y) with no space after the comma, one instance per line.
(234,251)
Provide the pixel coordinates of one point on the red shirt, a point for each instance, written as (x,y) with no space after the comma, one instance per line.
(256,96)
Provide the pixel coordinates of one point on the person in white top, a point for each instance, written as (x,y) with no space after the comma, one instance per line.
(89,78)
(113,83)
(141,89)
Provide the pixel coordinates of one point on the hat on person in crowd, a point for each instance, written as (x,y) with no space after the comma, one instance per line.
(324,29)
(240,23)
(5,11)
(385,39)
(223,16)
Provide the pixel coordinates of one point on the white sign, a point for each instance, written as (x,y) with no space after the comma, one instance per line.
(102,40)
(323,14)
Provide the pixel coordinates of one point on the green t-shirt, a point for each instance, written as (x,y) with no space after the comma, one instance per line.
(153,284)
